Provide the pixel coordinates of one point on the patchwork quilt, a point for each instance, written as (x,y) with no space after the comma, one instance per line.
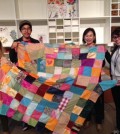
(56,84)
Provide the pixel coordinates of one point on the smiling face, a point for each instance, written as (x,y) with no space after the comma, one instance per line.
(116,39)
(89,38)
(26,31)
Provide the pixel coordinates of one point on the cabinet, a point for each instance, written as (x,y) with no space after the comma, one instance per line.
(59,21)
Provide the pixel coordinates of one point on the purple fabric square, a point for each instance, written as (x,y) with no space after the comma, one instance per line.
(88,62)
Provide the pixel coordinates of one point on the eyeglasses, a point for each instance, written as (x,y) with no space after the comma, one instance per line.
(115,37)
(26,29)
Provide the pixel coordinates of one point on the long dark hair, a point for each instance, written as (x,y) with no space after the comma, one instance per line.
(86,31)
(1,50)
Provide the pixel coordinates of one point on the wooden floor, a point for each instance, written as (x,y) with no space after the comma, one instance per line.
(108,124)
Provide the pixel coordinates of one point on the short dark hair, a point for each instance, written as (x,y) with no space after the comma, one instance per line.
(116,32)
(86,31)
(25,22)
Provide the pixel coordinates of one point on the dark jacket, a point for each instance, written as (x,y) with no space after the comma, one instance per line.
(13,53)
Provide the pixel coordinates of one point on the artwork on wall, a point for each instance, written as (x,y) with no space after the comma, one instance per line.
(62,8)
(7,35)
(40,33)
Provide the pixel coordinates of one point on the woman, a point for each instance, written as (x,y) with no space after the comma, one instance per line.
(89,39)
(115,74)
(4,119)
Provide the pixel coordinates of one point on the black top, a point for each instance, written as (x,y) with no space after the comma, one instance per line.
(13,53)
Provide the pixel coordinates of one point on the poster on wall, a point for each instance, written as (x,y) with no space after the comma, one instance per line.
(7,35)
(62,8)
(40,33)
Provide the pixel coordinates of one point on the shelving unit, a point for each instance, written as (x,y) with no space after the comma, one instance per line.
(103,16)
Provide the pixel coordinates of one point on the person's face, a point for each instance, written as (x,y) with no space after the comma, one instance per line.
(89,38)
(26,31)
(116,39)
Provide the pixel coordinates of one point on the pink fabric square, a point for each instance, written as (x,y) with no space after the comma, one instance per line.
(36,115)
(2,74)
(75,51)
(22,108)
(65,87)
(81,69)
(6,99)
(94,80)
(101,49)
(26,118)
(29,86)
(33,88)
(53,56)
(10,112)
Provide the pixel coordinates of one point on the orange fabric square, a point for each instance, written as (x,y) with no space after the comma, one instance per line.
(49,62)
(5,68)
(77,110)
(96,72)
(98,63)
(94,96)
(86,94)
(51,124)
(80,120)
(82,80)
(48,96)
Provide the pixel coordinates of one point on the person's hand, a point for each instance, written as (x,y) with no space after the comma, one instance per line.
(118,83)
(15,45)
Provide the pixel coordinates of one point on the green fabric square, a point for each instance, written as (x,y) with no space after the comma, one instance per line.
(91,86)
(67,63)
(32,122)
(71,104)
(23,91)
(81,102)
(58,63)
(31,67)
(37,98)
(50,70)
(65,70)
(17,87)
(36,83)
(76,63)
(17,116)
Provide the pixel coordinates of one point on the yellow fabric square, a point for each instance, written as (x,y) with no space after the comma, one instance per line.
(86,94)
(91,55)
(80,120)
(50,62)
(6,80)
(11,92)
(96,72)
(51,124)
(48,96)
(15,70)
(77,110)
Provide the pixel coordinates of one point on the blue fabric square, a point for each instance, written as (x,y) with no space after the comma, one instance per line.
(53,105)
(107,84)
(87,71)
(73,117)
(41,65)
(40,107)
(44,118)
(60,55)
(92,49)
(41,80)
(4,109)
(100,56)
(69,80)
(76,90)
(25,101)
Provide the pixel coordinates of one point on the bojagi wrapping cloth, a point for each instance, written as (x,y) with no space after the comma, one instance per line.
(56,84)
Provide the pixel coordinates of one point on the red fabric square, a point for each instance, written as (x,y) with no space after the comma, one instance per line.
(42,89)
(18,97)
(36,115)
(22,108)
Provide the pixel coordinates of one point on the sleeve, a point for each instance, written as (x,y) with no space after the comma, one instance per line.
(108,57)
(13,56)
